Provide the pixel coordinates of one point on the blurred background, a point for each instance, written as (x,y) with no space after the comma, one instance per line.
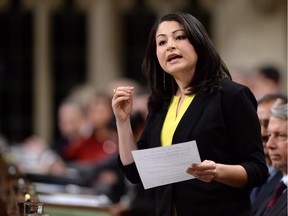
(49,47)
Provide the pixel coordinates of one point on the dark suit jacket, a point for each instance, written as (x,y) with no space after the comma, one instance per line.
(226,128)
(266,190)
(279,208)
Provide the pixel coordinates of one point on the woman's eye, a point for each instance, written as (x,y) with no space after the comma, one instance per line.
(161,43)
(180,37)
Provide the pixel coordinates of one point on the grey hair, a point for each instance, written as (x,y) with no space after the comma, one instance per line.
(280,111)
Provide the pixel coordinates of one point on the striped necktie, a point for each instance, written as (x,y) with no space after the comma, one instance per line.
(280,187)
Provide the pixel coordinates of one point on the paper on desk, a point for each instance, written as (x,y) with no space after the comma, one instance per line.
(167,164)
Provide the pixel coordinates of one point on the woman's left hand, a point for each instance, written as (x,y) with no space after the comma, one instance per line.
(205,171)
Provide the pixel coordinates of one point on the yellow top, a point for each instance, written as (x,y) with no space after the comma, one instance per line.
(172,119)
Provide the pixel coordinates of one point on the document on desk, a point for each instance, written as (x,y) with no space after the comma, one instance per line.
(167,164)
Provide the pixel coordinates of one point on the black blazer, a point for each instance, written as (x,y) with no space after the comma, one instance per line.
(226,128)
(279,208)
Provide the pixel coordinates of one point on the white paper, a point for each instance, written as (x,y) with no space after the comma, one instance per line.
(164,165)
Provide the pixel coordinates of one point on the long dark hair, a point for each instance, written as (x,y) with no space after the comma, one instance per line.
(210,69)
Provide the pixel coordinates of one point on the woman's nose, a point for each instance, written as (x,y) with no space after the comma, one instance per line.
(170,45)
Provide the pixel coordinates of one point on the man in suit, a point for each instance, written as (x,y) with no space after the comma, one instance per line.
(276,204)
(260,194)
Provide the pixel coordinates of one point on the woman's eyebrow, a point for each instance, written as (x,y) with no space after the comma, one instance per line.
(172,32)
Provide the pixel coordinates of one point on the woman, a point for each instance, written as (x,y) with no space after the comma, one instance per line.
(193,98)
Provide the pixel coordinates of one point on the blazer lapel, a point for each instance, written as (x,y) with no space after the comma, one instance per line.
(190,118)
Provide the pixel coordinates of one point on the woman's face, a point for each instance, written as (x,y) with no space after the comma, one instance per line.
(175,53)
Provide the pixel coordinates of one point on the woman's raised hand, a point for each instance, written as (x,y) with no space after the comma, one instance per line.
(122,102)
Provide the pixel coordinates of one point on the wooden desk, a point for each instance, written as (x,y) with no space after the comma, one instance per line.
(63,204)
(9,199)
(61,210)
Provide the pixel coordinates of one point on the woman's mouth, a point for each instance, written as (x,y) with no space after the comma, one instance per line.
(173,57)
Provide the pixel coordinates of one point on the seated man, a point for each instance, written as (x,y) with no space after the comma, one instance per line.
(259,194)
(276,204)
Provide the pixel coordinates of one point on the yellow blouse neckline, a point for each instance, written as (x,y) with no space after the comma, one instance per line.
(172,118)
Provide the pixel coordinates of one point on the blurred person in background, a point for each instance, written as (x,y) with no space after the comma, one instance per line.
(242,76)
(88,153)
(259,194)
(266,80)
(102,143)
(72,124)
(95,156)
(276,204)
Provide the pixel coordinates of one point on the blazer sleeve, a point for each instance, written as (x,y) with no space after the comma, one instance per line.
(244,127)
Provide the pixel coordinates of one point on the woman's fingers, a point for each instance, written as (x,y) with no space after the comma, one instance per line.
(123,91)
(205,171)
(122,102)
